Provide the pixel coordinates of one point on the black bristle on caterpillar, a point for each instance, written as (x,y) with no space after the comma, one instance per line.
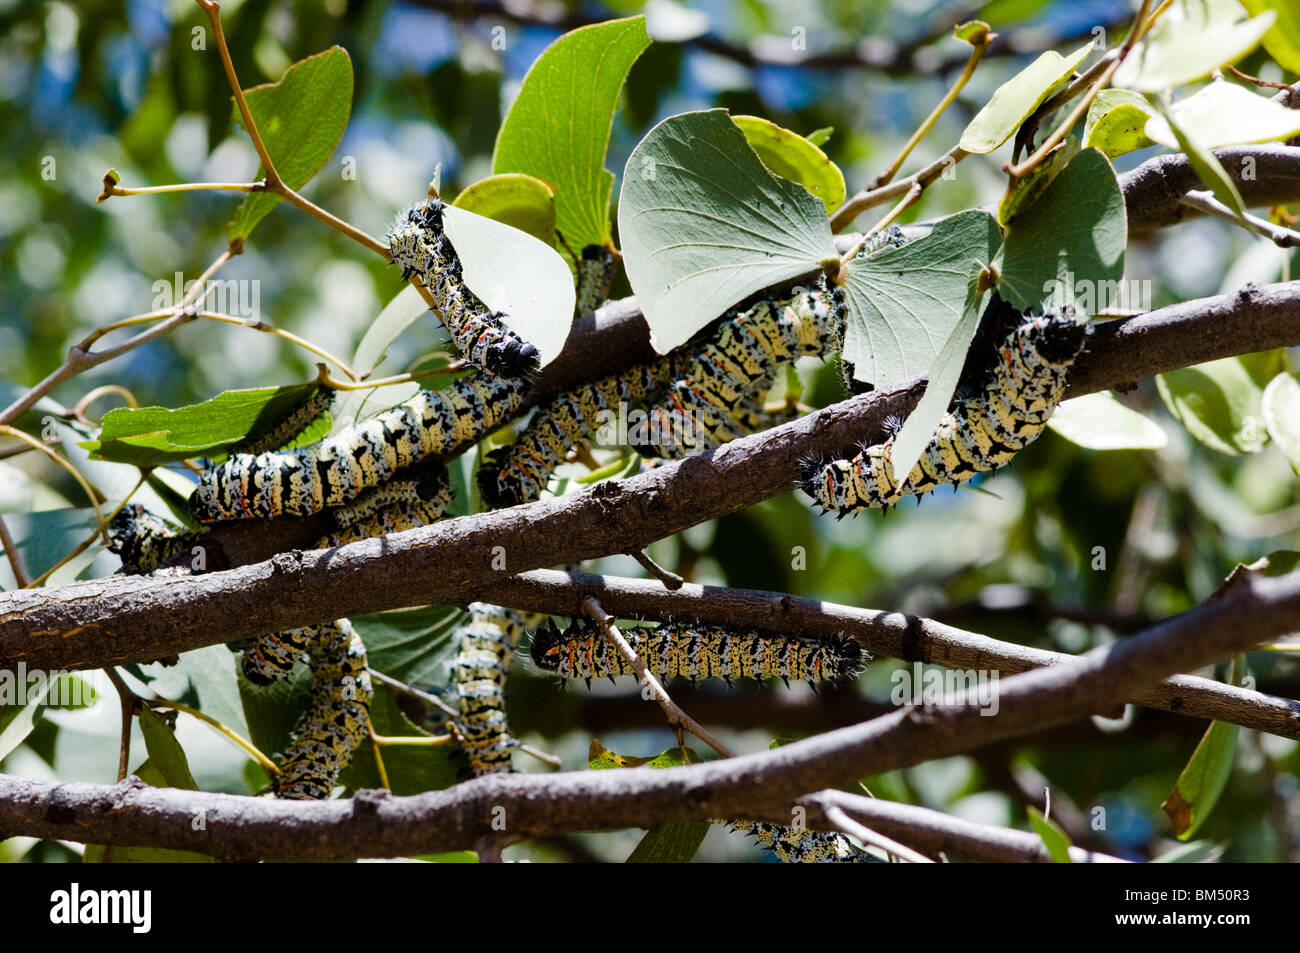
(694,652)
(336,470)
(420,247)
(979,433)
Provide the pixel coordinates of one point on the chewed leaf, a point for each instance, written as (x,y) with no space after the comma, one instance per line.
(1116,123)
(905,303)
(1018,97)
(517,274)
(793,157)
(704,224)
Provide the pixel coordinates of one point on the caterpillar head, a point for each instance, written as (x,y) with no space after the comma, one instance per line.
(1057,338)
(513,358)
(849,656)
(545,649)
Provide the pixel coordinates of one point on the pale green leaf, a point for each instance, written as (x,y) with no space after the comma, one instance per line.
(1281,408)
(1017,98)
(516,274)
(1100,422)
(1054,838)
(905,303)
(1203,162)
(18,720)
(558,128)
(704,224)
(1221,402)
(405,308)
(165,752)
(1189,41)
(1225,114)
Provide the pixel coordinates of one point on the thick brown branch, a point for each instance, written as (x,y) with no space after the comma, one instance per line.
(760,785)
(94,623)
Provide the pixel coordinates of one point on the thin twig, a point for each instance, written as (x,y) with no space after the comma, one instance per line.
(870,198)
(865,834)
(670,579)
(128,700)
(405,689)
(226,732)
(1204,201)
(676,717)
(15,558)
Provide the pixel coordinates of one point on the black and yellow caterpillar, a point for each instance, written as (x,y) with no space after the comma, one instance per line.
(420,246)
(290,426)
(694,652)
(698,396)
(979,433)
(145,541)
(795,845)
(484,647)
(596,269)
(336,470)
(413,499)
(337,719)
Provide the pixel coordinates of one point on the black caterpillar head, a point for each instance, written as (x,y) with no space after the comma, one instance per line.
(513,358)
(849,653)
(545,648)
(1057,338)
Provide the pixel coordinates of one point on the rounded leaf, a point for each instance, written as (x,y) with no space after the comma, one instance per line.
(1018,97)
(514,199)
(1100,422)
(795,158)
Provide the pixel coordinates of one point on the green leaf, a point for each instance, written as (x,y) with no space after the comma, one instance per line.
(411,769)
(558,128)
(1221,403)
(95,853)
(1225,114)
(1203,780)
(153,436)
(514,199)
(405,308)
(451,857)
(793,157)
(1282,41)
(1189,41)
(704,225)
(1071,240)
(1277,563)
(599,758)
(905,303)
(673,843)
(272,710)
(819,137)
(301,119)
(1054,838)
(517,274)
(1024,191)
(1190,853)
(1203,162)
(17,721)
(43,538)
(165,752)
(206,677)
(1100,422)
(1280,405)
(1116,123)
(15,489)
(1017,98)
(411,645)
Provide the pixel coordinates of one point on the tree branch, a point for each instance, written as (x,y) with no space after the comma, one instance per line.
(102,621)
(1250,607)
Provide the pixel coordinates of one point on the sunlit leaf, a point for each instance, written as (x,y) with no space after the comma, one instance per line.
(301,119)
(513,199)
(1191,38)
(1225,114)
(1204,163)
(1100,422)
(1116,123)
(793,157)
(704,224)
(1054,838)
(1282,41)
(1280,405)
(1221,402)
(1017,98)
(558,128)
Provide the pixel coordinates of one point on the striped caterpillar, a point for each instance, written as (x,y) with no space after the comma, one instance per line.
(484,646)
(694,652)
(287,428)
(145,541)
(337,718)
(976,435)
(336,470)
(794,845)
(408,501)
(697,398)
(596,270)
(421,247)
